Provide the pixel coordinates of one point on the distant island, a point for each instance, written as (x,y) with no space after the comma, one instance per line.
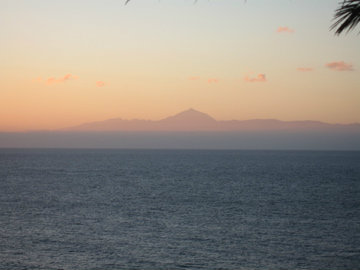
(192,129)
(193,120)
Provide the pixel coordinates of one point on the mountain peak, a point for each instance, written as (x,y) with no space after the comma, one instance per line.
(191,110)
(190,116)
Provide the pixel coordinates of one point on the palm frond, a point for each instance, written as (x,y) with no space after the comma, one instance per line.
(347,16)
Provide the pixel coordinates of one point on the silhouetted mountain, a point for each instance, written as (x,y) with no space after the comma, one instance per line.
(193,120)
(192,129)
(188,120)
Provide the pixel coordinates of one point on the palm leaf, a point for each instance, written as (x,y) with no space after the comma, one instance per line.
(347,16)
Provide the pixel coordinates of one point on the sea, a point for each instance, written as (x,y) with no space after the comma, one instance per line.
(86,209)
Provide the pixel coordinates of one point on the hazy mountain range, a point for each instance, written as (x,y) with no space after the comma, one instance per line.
(192,129)
(193,120)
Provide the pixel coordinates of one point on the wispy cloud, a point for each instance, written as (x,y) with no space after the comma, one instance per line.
(67,77)
(100,83)
(194,78)
(213,80)
(304,69)
(284,29)
(258,78)
(53,80)
(340,66)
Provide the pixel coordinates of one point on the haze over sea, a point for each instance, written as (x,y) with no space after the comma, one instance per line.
(179,209)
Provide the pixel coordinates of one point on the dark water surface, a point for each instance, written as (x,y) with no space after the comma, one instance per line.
(167,209)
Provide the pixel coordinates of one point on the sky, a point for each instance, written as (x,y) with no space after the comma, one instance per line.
(63,63)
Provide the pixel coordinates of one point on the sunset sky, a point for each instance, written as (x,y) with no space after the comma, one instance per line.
(63,63)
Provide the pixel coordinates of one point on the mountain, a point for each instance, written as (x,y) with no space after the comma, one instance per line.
(189,120)
(193,120)
(192,129)
(190,116)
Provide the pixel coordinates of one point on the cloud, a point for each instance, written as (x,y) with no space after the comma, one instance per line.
(304,69)
(340,66)
(194,78)
(100,83)
(284,29)
(258,78)
(53,80)
(213,80)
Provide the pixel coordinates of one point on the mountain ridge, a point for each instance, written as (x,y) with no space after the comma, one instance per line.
(193,120)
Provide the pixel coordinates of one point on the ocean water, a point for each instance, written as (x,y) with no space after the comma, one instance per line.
(179,209)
